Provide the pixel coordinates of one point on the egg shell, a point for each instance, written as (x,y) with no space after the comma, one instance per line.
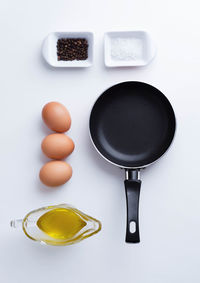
(56,117)
(55,173)
(57,146)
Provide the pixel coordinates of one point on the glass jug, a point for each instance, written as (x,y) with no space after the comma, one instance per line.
(58,225)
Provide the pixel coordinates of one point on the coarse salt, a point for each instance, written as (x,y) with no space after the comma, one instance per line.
(126,48)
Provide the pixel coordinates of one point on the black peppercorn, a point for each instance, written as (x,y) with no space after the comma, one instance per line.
(69,49)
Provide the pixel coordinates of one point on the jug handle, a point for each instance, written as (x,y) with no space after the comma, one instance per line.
(16,223)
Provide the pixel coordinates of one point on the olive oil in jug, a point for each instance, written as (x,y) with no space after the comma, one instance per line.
(58,225)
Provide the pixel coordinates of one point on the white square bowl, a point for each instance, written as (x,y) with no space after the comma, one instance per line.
(143,40)
(49,49)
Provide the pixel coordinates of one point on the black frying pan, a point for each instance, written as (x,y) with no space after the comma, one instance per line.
(132,124)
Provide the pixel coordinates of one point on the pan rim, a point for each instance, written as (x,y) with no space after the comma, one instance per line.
(132,167)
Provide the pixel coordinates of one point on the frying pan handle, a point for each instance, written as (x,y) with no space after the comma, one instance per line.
(132,189)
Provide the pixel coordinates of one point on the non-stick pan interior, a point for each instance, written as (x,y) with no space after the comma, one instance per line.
(132,124)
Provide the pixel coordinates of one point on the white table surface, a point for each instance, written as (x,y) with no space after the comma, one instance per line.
(169,251)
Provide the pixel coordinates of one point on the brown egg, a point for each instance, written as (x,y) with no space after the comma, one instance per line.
(55,173)
(56,117)
(57,146)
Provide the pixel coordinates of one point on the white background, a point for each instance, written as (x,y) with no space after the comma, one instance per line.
(169,251)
